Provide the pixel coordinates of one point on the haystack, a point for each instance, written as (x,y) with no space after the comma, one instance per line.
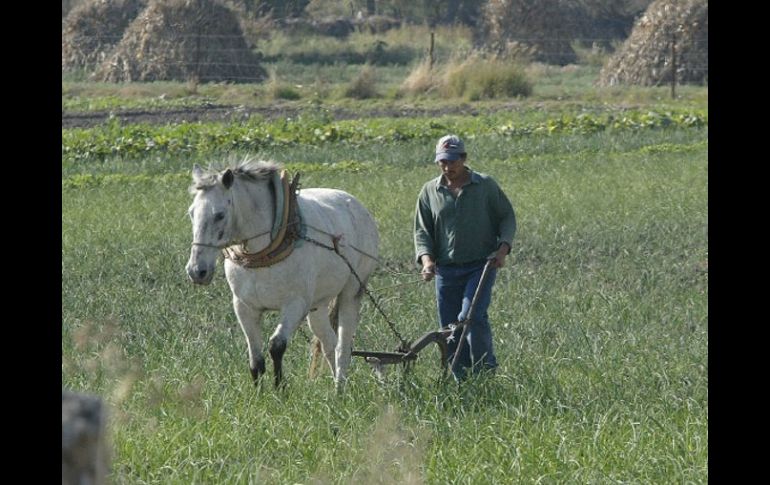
(91,29)
(646,56)
(544,28)
(183,40)
(602,23)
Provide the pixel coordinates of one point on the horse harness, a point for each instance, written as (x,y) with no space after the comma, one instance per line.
(288,232)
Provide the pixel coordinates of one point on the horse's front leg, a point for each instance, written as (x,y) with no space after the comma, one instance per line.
(251,324)
(291,315)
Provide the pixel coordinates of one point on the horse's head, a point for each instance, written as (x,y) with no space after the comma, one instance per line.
(212,222)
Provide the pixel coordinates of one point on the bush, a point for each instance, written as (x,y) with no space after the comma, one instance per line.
(276,89)
(486,79)
(283,91)
(364,86)
(421,79)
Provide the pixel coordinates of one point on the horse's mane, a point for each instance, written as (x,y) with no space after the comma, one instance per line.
(248,169)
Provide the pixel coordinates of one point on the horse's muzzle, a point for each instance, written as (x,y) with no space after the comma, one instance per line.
(200,276)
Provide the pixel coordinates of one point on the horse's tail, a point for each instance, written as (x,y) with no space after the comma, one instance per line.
(315,346)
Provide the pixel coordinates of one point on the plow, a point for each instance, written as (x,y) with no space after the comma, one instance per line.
(408,352)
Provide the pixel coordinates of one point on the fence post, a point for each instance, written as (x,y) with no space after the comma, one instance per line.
(673,65)
(430,52)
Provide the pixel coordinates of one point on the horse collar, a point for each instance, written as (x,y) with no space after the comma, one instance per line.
(286,231)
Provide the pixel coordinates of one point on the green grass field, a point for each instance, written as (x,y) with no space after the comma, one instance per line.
(600,323)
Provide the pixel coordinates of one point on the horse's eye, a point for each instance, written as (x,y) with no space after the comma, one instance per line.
(219,216)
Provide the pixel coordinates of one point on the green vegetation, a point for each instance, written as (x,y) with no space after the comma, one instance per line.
(323,86)
(400,46)
(487,79)
(134,141)
(364,86)
(277,89)
(601,319)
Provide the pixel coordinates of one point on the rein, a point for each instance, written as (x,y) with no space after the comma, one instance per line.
(404,344)
(227,245)
(243,241)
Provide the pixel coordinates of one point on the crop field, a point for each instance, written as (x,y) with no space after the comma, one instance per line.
(600,318)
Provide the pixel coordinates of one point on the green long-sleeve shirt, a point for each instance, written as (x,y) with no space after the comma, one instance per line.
(463,229)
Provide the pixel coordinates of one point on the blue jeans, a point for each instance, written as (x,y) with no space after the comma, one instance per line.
(455,287)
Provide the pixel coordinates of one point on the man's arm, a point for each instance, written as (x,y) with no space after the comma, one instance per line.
(506,217)
(423,228)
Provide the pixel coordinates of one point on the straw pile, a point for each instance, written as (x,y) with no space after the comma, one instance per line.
(646,56)
(545,28)
(91,29)
(183,40)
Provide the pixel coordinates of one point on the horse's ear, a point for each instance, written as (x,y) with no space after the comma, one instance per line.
(197,172)
(227,178)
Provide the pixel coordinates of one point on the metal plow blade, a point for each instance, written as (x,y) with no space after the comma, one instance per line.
(380,359)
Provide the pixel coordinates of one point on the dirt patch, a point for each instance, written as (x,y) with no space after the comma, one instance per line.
(224,113)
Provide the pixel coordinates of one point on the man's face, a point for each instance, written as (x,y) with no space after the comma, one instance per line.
(452,170)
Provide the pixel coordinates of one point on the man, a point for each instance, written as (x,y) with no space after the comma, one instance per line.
(463,219)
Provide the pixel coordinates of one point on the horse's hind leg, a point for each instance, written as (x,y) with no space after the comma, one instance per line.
(349,302)
(251,321)
(291,315)
(320,324)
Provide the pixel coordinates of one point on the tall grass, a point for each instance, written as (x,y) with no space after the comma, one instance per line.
(399,46)
(278,89)
(364,86)
(421,79)
(600,323)
(476,78)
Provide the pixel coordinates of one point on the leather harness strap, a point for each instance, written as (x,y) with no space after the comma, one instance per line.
(282,244)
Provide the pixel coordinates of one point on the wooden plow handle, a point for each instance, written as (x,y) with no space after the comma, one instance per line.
(466,324)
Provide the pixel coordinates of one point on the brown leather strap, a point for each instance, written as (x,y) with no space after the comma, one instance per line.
(283,244)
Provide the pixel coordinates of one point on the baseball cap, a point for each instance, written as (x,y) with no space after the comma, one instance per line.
(449,147)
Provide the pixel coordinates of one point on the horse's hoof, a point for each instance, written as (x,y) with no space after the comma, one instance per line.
(280,383)
(258,370)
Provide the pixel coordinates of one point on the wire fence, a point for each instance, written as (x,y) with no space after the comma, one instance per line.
(230,52)
(238,43)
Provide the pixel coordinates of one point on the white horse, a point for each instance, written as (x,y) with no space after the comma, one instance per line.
(238,206)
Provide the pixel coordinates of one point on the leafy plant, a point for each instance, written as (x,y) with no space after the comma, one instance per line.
(141,140)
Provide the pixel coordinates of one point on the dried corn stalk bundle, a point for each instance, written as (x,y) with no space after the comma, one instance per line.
(183,40)
(543,27)
(646,56)
(93,28)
